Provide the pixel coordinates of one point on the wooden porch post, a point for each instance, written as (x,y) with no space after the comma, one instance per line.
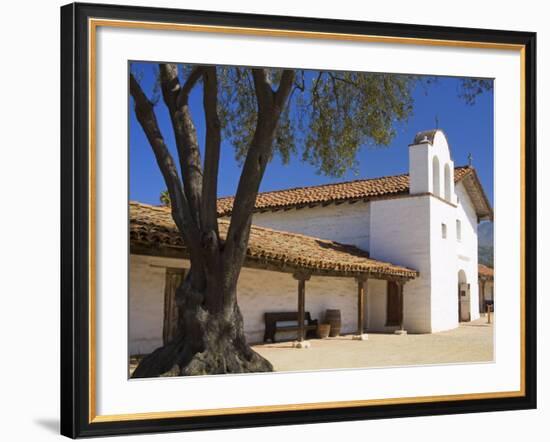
(301,278)
(482,296)
(401,330)
(301,308)
(360,305)
(361,284)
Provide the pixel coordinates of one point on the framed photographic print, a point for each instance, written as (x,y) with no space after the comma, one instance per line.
(275,220)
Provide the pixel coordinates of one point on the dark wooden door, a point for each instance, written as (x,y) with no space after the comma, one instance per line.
(394,306)
(174,277)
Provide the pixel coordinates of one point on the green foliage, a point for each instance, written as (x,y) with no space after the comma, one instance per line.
(470,88)
(330,115)
(348,110)
(164,198)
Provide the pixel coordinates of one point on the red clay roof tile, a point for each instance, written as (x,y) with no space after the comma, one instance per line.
(331,193)
(153,227)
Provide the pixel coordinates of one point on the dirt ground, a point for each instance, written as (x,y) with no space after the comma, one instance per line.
(470,342)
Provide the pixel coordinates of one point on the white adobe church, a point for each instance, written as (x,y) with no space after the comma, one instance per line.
(393,254)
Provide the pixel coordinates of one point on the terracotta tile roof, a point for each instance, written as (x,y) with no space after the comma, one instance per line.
(152,227)
(365,189)
(485,271)
(473,186)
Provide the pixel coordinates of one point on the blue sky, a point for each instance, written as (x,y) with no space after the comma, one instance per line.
(469,129)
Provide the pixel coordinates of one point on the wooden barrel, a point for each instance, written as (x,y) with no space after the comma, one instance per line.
(334,318)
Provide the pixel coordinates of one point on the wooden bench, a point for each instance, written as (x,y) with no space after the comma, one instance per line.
(289,322)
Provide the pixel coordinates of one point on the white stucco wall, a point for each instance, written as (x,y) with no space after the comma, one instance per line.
(467,249)
(431,300)
(258,291)
(443,263)
(450,255)
(420,169)
(400,234)
(376,306)
(345,223)
(409,231)
(146,301)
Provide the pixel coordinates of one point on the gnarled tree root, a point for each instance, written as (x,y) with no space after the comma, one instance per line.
(177,359)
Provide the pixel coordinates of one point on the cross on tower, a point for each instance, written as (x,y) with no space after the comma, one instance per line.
(470,158)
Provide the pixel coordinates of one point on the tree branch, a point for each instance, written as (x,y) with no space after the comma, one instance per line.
(180,209)
(184,92)
(343,80)
(212,150)
(285,85)
(301,86)
(262,86)
(313,93)
(335,92)
(185,135)
(270,106)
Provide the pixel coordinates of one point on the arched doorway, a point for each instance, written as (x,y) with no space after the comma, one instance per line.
(463,297)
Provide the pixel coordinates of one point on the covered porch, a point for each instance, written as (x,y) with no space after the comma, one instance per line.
(321,274)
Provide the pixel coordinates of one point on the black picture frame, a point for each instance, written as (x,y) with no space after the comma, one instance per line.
(75,220)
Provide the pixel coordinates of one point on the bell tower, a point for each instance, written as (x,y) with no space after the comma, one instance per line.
(420,232)
(420,164)
(431,169)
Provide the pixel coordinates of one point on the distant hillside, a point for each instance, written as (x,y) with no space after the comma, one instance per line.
(485,246)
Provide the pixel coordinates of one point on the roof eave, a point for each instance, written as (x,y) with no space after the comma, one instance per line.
(486,213)
(272,264)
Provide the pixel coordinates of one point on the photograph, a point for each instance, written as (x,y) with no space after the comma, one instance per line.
(287,219)
(275,220)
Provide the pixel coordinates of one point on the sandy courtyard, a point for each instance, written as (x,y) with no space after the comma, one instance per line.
(470,342)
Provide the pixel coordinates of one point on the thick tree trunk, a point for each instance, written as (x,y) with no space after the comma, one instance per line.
(210,337)
(206,342)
